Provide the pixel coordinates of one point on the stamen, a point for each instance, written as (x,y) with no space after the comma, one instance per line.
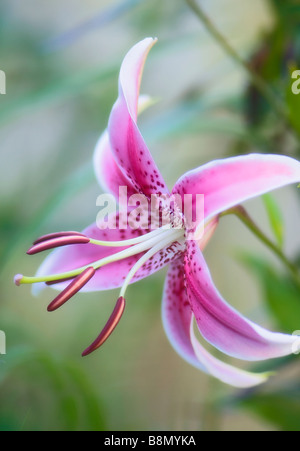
(173,235)
(71,289)
(56,235)
(209,230)
(137,240)
(53,282)
(159,246)
(57,242)
(109,327)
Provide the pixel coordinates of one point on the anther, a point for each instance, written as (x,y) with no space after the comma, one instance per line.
(54,282)
(108,328)
(50,236)
(57,242)
(72,289)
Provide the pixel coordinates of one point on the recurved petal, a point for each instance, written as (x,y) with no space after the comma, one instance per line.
(222,325)
(109,276)
(128,146)
(231,181)
(178,324)
(228,374)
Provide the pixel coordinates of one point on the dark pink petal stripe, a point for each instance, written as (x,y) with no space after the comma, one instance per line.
(57,242)
(71,289)
(109,327)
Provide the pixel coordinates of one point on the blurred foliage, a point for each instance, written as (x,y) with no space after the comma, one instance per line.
(280,292)
(275,217)
(276,54)
(282,409)
(41,389)
(29,380)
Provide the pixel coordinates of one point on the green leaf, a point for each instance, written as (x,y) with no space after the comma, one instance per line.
(281,293)
(275,217)
(282,409)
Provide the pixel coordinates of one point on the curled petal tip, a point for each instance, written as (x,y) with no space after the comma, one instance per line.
(17,279)
(71,289)
(108,328)
(57,242)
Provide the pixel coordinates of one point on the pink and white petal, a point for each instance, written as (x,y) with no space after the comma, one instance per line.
(131,73)
(222,325)
(231,181)
(177,314)
(108,173)
(112,275)
(177,319)
(223,371)
(128,146)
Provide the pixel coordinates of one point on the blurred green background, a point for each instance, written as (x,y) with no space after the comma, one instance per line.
(61,60)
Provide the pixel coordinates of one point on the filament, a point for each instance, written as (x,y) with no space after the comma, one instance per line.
(125,253)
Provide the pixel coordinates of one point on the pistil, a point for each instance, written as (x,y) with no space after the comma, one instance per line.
(162,244)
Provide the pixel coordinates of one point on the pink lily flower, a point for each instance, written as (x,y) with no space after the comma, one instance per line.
(102,259)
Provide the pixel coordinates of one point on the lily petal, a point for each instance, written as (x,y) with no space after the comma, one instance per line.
(231,181)
(108,173)
(226,373)
(178,324)
(129,148)
(113,274)
(222,325)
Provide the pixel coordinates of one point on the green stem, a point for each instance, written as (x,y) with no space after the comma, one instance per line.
(241,213)
(257,81)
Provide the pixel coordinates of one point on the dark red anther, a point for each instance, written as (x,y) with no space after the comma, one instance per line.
(54,282)
(108,328)
(57,242)
(76,285)
(50,236)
